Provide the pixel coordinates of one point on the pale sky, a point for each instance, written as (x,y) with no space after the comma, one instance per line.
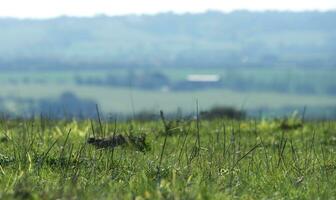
(53,8)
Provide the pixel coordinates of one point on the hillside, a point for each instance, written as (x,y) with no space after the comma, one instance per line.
(212,40)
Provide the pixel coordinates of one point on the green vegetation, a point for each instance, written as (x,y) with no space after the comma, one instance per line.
(250,89)
(264,60)
(119,100)
(185,159)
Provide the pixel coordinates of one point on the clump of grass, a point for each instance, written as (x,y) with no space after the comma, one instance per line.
(138,142)
(5,159)
(4,139)
(104,143)
(285,125)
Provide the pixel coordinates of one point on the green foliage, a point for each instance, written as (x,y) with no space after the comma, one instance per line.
(223,112)
(244,159)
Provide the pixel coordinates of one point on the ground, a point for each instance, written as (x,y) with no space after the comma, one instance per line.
(188,159)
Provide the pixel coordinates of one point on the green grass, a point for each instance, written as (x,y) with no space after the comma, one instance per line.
(267,159)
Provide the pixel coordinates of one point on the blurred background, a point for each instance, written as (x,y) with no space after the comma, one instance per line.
(264,57)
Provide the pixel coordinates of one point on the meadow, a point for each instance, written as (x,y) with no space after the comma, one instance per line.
(287,158)
(37,85)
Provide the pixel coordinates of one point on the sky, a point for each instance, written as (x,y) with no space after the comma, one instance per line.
(54,8)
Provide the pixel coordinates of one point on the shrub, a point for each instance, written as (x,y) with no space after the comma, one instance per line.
(223,112)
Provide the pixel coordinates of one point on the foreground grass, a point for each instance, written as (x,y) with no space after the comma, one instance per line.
(219,159)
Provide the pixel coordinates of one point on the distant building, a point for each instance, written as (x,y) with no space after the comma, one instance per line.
(209,78)
(199,81)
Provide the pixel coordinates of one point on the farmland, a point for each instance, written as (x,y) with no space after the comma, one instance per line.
(265,61)
(242,89)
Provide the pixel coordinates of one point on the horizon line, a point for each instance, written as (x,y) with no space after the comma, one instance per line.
(169,12)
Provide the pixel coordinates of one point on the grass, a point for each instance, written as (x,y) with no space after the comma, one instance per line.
(188,159)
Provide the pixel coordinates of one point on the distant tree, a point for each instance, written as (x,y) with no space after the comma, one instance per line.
(223,112)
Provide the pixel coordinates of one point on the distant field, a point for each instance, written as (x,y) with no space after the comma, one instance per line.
(317,76)
(51,84)
(120,99)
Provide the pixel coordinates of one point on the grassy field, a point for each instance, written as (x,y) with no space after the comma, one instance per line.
(188,159)
(316,77)
(34,86)
(119,100)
